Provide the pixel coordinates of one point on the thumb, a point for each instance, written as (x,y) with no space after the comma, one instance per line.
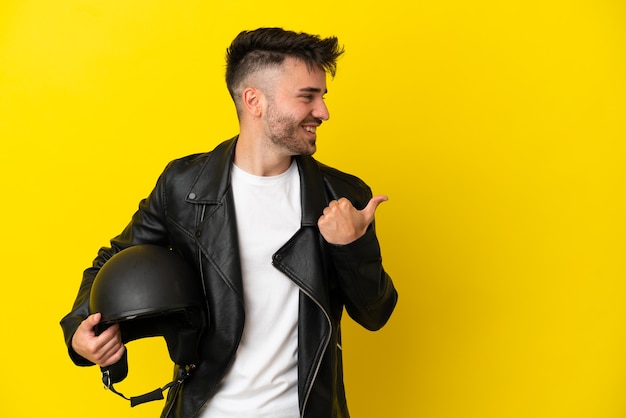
(89,324)
(369,210)
(94,319)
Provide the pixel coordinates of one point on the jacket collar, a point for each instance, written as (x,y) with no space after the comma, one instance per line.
(213,182)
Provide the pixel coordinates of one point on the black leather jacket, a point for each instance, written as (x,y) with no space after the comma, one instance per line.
(191,209)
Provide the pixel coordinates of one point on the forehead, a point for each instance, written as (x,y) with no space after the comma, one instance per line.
(297,74)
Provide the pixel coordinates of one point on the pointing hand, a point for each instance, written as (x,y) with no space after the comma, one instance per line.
(341,223)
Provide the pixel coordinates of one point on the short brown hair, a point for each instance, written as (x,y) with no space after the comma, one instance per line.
(267,47)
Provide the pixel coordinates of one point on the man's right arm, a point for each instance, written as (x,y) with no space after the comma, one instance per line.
(146,227)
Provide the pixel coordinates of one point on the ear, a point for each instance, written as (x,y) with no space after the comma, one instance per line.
(252,100)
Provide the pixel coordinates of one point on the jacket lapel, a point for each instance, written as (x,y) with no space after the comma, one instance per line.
(216,233)
(302,258)
(313,193)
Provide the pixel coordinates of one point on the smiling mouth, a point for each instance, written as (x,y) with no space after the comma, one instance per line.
(311,124)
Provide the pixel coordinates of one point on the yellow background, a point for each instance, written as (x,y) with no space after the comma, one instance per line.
(497,128)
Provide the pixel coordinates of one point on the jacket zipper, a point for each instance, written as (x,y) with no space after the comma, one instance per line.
(206,299)
(319,362)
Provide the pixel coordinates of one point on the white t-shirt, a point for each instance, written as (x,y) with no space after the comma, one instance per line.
(263,380)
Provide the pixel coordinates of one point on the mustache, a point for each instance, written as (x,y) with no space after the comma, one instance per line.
(313,121)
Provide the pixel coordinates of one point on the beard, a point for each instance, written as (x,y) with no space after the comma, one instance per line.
(286,132)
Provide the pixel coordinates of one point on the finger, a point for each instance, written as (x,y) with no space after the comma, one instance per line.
(108,346)
(111,352)
(115,357)
(369,210)
(111,332)
(93,320)
(89,323)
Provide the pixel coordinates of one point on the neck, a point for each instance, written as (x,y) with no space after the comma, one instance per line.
(256,157)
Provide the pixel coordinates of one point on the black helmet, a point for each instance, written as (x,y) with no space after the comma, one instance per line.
(150,291)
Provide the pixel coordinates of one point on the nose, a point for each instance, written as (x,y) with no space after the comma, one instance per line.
(321,111)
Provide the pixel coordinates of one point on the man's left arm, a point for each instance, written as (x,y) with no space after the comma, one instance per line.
(369,292)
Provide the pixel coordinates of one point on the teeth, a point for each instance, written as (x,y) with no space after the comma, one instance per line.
(310,129)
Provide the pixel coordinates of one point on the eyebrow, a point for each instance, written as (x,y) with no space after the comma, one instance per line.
(312,90)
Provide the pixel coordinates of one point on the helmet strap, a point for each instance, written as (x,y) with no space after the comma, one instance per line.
(155,395)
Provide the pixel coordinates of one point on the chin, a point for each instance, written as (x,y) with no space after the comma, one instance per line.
(311,150)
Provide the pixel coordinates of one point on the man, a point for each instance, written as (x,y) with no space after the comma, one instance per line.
(282,242)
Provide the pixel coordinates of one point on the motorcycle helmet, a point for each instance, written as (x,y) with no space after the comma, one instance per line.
(150,291)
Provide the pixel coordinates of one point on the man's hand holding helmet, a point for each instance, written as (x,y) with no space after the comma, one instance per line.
(104,349)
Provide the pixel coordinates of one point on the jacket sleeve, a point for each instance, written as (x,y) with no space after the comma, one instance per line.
(146,226)
(369,294)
